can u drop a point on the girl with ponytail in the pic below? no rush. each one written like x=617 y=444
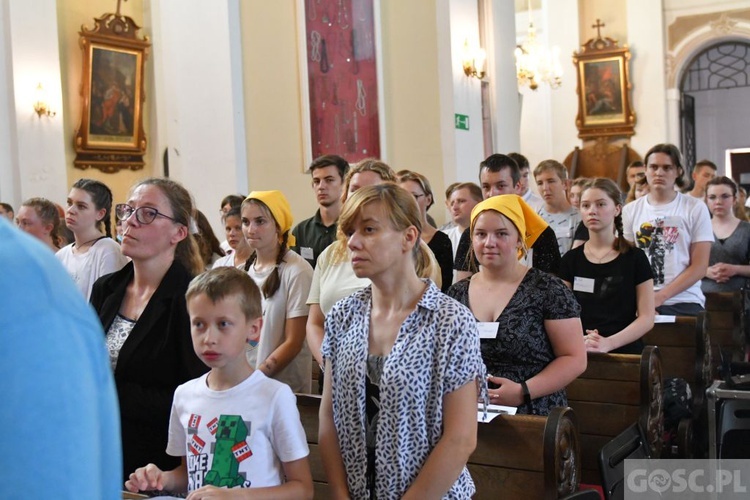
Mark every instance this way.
x=284 y=279
x=611 y=279
x=92 y=254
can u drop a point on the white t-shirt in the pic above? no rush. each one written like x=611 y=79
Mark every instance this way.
x=564 y=225
x=289 y=301
x=226 y=261
x=665 y=233
x=103 y=257
x=237 y=437
x=333 y=282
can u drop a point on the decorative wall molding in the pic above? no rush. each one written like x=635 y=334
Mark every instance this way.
x=691 y=34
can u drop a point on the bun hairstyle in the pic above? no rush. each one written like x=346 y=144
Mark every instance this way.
x=47 y=212
x=609 y=188
x=187 y=252
x=101 y=195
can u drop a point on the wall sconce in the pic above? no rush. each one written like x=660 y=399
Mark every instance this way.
x=474 y=61
x=40 y=105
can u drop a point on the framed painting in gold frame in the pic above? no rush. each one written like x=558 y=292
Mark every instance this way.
x=111 y=135
x=603 y=87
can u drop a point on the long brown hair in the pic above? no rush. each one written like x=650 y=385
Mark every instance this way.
x=608 y=186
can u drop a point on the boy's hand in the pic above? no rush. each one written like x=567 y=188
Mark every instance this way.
x=146 y=478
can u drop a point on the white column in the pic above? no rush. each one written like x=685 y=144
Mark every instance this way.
x=548 y=128
x=32 y=153
x=501 y=62
x=673 y=117
x=200 y=109
x=647 y=73
x=459 y=94
x=561 y=22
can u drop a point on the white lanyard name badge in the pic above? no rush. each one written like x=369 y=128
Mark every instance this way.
x=488 y=329
x=585 y=285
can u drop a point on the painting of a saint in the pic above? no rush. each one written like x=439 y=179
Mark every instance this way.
x=603 y=92
x=113 y=78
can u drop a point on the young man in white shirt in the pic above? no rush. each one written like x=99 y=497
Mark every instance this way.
x=552 y=180
x=674 y=230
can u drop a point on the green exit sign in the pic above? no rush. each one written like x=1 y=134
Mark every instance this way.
x=462 y=122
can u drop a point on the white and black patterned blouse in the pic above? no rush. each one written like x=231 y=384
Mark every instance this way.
x=436 y=352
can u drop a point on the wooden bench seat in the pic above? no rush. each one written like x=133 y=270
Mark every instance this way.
x=686 y=353
x=616 y=391
x=517 y=457
x=725 y=326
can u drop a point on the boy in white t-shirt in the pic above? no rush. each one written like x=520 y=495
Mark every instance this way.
x=552 y=180
x=234 y=427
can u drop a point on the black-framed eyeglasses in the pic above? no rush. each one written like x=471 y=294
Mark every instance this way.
x=144 y=215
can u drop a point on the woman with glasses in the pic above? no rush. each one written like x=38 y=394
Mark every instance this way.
x=729 y=262
x=92 y=254
x=439 y=242
x=143 y=312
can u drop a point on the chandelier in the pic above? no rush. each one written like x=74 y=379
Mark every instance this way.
x=536 y=63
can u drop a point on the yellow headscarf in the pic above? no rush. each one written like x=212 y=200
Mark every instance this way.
x=529 y=224
x=280 y=210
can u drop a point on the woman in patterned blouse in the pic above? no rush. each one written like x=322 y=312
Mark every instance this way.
x=533 y=340
x=402 y=361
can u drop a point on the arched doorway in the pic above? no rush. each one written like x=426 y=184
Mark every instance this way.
x=715 y=101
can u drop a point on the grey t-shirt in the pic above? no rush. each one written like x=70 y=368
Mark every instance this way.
x=732 y=250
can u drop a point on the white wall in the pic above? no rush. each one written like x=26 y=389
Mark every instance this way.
x=32 y=157
x=200 y=101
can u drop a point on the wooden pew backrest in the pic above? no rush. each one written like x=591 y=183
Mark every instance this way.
x=517 y=457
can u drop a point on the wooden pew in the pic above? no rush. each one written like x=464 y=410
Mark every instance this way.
x=685 y=349
x=685 y=352
x=725 y=322
x=517 y=457
x=615 y=391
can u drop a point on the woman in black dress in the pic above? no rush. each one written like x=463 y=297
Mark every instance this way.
x=439 y=242
x=532 y=339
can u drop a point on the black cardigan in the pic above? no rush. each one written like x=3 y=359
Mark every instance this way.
x=157 y=356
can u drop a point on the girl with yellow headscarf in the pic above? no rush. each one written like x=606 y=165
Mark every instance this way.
x=529 y=321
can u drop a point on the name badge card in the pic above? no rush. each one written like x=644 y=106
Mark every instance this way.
x=488 y=329
x=585 y=285
x=306 y=253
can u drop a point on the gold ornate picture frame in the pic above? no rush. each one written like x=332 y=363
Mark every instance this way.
x=603 y=87
x=111 y=135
